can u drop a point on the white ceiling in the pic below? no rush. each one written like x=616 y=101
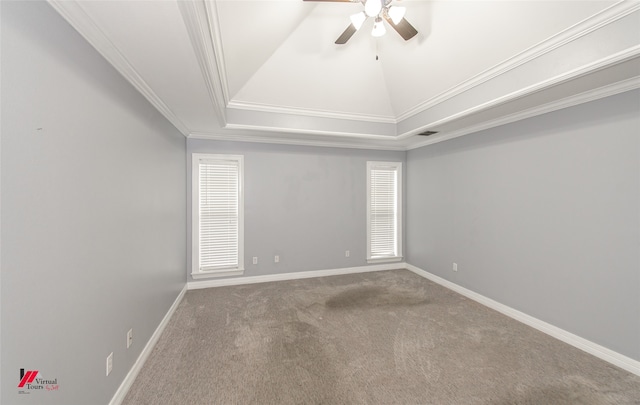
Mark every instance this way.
x=269 y=71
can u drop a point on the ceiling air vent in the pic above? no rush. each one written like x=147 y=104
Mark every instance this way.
x=427 y=133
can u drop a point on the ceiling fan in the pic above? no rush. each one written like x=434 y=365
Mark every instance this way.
x=380 y=10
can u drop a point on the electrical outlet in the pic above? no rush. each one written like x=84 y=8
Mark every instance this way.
x=255 y=260
x=455 y=266
x=129 y=338
x=347 y=253
x=109 y=363
x=276 y=259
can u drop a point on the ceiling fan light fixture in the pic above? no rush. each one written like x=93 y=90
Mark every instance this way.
x=372 y=7
x=358 y=19
x=378 y=28
x=396 y=13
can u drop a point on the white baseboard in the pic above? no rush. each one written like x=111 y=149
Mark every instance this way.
x=615 y=358
x=194 y=285
x=118 y=397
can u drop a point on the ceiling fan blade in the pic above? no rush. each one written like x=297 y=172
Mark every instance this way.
x=342 y=39
x=403 y=28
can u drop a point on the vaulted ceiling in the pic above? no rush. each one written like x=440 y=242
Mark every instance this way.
x=269 y=70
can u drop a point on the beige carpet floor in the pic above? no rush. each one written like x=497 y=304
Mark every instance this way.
x=388 y=337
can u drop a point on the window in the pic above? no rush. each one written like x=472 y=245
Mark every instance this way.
x=217 y=211
x=384 y=211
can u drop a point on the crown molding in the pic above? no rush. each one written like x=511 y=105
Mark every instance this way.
x=74 y=14
x=211 y=9
x=573 y=33
x=247 y=105
x=338 y=134
x=295 y=141
x=603 y=63
x=584 y=97
x=201 y=23
x=395 y=145
x=579 y=30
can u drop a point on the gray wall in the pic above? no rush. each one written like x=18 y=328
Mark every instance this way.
x=542 y=215
x=305 y=204
x=93 y=214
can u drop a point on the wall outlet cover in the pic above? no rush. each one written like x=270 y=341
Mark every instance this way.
x=109 y=363
x=129 y=338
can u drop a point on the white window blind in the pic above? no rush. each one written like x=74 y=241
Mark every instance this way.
x=384 y=210
x=219 y=214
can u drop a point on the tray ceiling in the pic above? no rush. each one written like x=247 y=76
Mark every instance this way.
x=269 y=71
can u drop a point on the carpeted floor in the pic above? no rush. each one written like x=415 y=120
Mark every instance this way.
x=388 y=337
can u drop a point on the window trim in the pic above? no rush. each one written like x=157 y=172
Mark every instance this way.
x=397 y=166
x=196 y=273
